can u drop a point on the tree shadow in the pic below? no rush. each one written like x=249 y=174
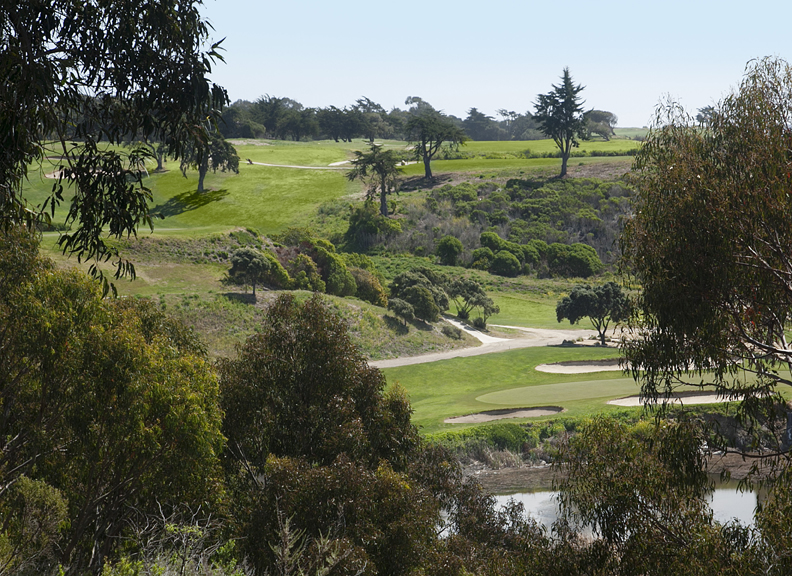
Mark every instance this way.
x=188 y=201
x=421 y=183
x=395 y=325
x=237 y=297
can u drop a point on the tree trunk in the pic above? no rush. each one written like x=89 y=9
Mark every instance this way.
x=202 y=170
x=602 y=337
x=383 y=199
x=254 y=290
x=427 y=167
x=564 y=158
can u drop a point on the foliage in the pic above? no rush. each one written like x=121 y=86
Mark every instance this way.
x=305 y=275
x=602 y=305
x=643 y=489
x=559 y=115
x=710 y=240
x=308 y=420
x=249 y=266
x=369 y=287
x=601 y=123
x=101 y=397
x=401 y=309
x=448 y=250
x=366 y=225
x=506 y=264
x=211 y=155
x=576 y=260
x=468 y=294
x=429 y=131
x=424 y=290
x=71 y=88
x=381 y=169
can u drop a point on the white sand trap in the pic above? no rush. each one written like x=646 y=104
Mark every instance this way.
x=682 y=398
x=580 y=367
x=490 y=415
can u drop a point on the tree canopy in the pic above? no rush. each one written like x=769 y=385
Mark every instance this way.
x=429 y=131
x=601 y=304
x=559 y=114
x=78 y=76
x=381 y=168
x=710 y=241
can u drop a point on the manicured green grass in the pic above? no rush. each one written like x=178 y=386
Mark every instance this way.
x=453 y=387
x=528 y=310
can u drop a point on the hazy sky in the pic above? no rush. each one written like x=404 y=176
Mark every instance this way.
x=495 y=54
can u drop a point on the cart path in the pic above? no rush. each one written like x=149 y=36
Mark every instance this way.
x=489 y=344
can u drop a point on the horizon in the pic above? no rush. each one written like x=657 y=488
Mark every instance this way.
x=632 y=56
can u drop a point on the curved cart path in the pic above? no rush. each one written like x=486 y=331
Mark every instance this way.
x=489 y=344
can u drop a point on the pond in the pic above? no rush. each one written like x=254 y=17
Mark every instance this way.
x=727 y=503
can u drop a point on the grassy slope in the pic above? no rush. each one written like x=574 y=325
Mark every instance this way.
x=271 y=199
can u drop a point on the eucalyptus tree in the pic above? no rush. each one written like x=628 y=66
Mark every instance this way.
x=710 y=241
x=78 y=76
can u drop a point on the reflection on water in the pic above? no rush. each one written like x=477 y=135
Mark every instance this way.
x=727 y=504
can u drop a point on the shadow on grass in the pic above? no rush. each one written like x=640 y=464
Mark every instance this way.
x=188 y=201
x=420 y=182
x=242 y=298
x=395 y=325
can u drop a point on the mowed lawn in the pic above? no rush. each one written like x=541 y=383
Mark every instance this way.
x=460 y=386
x=271 y=199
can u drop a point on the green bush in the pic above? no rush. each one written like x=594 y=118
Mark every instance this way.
x=573 y=261
x=276 y=276
x=448 y=250
x=451 y=332
x=369 y=287
x=479 y=323
x=505 y=264
x=482 y=258
x=337 y=277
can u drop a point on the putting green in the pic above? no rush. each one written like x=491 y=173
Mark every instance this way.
x=562 y=392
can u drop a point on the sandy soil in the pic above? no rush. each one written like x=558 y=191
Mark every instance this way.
x=681 y=398
x=580 y=367
x=490 y=415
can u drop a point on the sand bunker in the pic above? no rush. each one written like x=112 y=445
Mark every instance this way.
x=686 y=398
x=490 y=415
x=581 y=366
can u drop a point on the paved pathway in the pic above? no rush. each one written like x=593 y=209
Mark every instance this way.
x=490 y=344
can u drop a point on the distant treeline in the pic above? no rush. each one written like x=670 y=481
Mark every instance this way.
x=287 y=119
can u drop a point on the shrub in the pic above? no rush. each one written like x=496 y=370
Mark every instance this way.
x=479 y=323
x=401 y=309
x=423 y=303
x=276 y=276
x=448 y=250
x=305 y=275
x=505 y=264
x=451 y=332
x=369 y=287
x=482 y=258
x=335 y=273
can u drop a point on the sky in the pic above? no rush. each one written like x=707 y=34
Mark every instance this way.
x=495 y=54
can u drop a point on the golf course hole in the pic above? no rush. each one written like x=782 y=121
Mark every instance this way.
x=490 y=415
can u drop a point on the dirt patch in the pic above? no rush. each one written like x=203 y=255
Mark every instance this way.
x=490 y=415
x=580 y=366
x=524 y=479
